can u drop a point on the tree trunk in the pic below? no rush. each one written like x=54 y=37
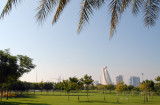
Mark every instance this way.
x=87 y=95
x=127 y=97
x=47 y=91
x=144 y=96
x=7 y=94
x=104 y=95
x=151 y=95
x=78 y=95
x=27 y=92
x=118 y=97
x=1 y=95
x=68 y=96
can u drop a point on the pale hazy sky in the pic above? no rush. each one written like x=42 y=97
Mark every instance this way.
x=59 y=51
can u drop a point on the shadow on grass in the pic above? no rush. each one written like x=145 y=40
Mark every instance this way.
x=99 y=102
x=19 y=103
x=57 y=95
x=25 y=96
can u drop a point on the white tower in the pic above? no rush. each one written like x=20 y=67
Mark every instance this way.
x=105 y=75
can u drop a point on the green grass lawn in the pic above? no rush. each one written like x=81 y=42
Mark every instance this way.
x=94 y=99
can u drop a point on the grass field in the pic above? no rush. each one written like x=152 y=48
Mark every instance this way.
x=94 y=99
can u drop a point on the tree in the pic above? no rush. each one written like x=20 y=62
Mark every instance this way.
x=116 y=7
x=48 y=86
x=67 y=87
x=27 y=86
x=5 y=87
x=157 y=85
x=13 y=67
x=92 y=87
x=157 y=79
x=73 y=82
x=100 y=87
x=35 y=87
x=110 y=87
x=87 y=80
x=41 y=86
x=79 y=86
x=147 y=86
x=130 y=87
x=20 y=86
x=120 y=87
x=60 y=86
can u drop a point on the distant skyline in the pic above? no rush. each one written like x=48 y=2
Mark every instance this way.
x=59 y=51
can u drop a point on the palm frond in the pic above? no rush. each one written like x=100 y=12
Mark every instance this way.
x=8 y=7
x=124 y=5
x=151 y=9
x=61 y=6
x=96 y=4
x=44 y=9
x=87 y=7
x=136 y=5
x=115 y=9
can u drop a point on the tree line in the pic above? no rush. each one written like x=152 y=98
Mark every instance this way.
x=82 y=85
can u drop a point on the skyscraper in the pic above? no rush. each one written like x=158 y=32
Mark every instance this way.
x=135 y=81
x=119 y=78
x=105 y=75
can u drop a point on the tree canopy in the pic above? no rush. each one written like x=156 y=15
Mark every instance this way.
x=13 y=67
x=158 y=79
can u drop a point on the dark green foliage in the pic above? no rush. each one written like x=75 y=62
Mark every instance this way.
x=87 y=80
x=136 y=89
x=73 y=82
x=48 y=86
x=130 y=87
x=110 y=87
x=13 y=67
x=149 y=85
x=158 y=79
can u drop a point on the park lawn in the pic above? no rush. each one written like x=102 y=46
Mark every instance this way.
x=94 y=99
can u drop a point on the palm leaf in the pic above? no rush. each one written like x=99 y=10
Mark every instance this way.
x=136 y=5
x=45 y=9
x=8 y=7
x=124 y=5
x=87 y=7
x=151 y=9
x=61 y=6
x=115 y=7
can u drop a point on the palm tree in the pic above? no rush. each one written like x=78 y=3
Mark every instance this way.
x=150 y=9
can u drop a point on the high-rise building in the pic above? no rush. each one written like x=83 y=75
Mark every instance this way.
x=135 y=81
x=105 y=75
x=119 y=78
